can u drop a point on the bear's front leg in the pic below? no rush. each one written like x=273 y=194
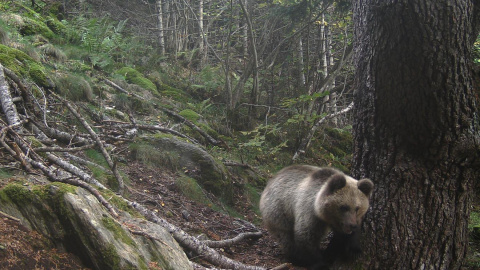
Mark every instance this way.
x=345 y=247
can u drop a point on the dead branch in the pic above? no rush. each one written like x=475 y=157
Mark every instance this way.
x=230 y=242
x=25 y=94
x=161 y=129
x=8 y=216
x=193 y=243
x=116 y=86
x=99 y=143
x=209 y=138
x=74 y=170
x=84 y=161
x=63 y=149
x=62 y=136
x=53 y=177
x=6 y=100
x=307 y=139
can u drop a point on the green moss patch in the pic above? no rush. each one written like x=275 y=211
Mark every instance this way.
x=28 y=26
x=133 y=76
x=118 y=231
x=23 y=65
x=190 y=115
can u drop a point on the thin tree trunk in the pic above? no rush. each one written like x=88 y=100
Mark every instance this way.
x=161 y=39
x=301 y=74
x=200 y=27
x=254 y=96
x=415 y=133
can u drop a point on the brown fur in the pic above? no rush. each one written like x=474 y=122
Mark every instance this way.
x=302 y=203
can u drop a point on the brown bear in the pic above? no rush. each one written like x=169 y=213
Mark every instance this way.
x=301 y=204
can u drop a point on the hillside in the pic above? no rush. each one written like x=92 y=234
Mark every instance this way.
x=90 y=101
x=84 y=110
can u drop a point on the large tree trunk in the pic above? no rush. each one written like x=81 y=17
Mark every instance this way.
x=415 y=132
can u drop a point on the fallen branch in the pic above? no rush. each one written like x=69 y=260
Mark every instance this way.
x=62 y=136
x=9 y=217
x=230 y=242
x=209 y=138
x=161 y=129
x=74 y=170
x=53 y=177
x=99 y=143
x=6 y=101
x=116 y=86
x=193 y=243
x=63 y=149
x=84 y=161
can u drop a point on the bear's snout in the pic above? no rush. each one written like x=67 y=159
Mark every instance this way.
x=349 y=227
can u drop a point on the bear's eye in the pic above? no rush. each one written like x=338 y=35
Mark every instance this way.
x=357 y=208
x=344 y=208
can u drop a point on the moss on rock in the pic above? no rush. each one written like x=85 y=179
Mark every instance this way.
x=24 y=66
x=133 y=76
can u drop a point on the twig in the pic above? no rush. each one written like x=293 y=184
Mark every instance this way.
x=63 y=149
x=9 y=217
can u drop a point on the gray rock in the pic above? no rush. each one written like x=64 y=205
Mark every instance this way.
x=76 y=222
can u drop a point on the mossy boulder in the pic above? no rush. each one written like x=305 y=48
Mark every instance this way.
x=28 y=26
x=181 y=155
x=23 y=65
x=75 y=221
x=133 y=76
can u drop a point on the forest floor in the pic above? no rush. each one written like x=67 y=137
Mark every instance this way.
x=21 y=248
x=156 y=189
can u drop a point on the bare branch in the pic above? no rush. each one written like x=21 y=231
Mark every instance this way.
x=99 y=143
x=307 y=139
x=230 y=242
x=6 y=100
x=63 y=149
x=193 y=243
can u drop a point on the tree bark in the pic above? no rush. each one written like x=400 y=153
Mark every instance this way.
x=415 y=132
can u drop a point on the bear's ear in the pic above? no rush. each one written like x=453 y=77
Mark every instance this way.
x=335 y=183
x=365 y=186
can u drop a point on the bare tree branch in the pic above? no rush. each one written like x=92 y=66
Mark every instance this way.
x=99 y=143
x=307 y=139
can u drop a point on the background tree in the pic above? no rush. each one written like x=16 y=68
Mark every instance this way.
x=416 y=130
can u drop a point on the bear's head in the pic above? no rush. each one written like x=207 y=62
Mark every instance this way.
x=343 y=201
